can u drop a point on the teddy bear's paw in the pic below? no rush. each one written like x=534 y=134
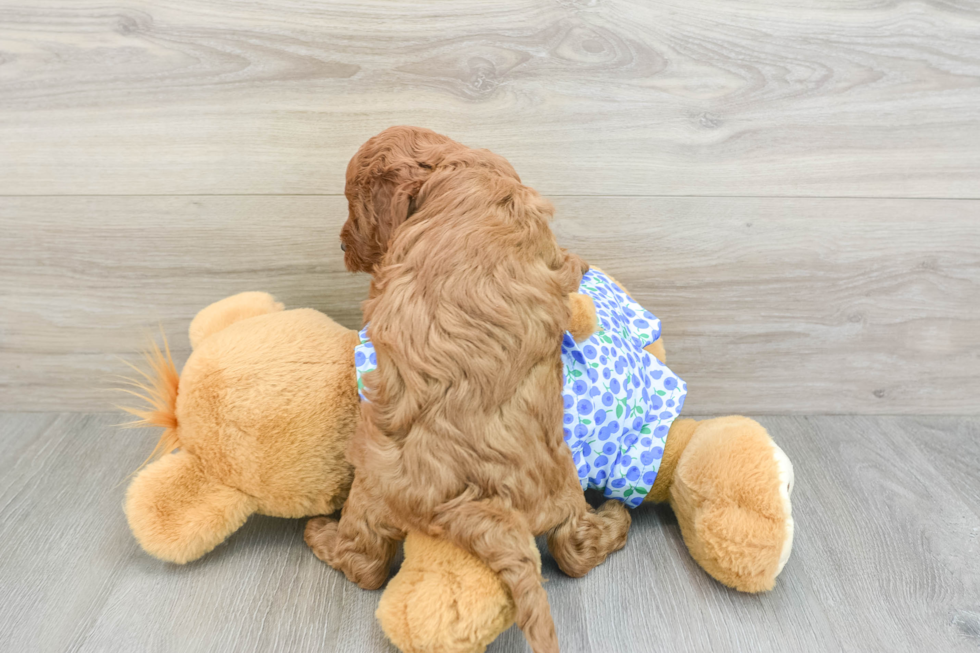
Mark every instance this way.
x=731 y=495
x=443 y=600
x=321 y=536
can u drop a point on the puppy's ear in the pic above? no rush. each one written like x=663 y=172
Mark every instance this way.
x=403 y=201
x=396 y=203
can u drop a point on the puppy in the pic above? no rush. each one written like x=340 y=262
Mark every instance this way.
x=461 y=436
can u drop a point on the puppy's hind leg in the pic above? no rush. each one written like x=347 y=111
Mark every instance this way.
x=361 y=544
x=585 y=539
x=502 y=539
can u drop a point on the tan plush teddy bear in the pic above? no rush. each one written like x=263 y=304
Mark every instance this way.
x=259 y=420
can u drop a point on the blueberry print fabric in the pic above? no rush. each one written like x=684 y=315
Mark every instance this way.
x=365 y=360
x=619 y=400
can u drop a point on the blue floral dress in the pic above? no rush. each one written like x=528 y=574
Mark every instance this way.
x=619 y=400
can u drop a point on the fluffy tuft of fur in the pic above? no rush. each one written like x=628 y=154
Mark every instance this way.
x=158 y=392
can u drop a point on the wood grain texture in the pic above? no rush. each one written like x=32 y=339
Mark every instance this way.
x=769 y=305
x=884 y=560
x=954 y=451
x=84 y=280
x=801 y=305
x=869 y=98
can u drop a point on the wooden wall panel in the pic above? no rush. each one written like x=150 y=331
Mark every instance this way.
x=802 y=305
x=769 y=305
x=616 y=97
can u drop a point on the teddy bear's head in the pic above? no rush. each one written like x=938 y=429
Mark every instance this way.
x=260 y=419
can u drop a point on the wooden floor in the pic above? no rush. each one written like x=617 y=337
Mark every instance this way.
x=886 y=558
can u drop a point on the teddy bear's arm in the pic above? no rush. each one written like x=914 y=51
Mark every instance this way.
x=656 y=349
x=584 y=321
x=178 y=512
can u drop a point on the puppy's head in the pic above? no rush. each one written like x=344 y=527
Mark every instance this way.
x=383 y=179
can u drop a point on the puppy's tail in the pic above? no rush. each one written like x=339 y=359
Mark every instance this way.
x=502 y=539
x=157 y=391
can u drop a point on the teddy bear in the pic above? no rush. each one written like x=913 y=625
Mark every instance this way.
x=259 y=419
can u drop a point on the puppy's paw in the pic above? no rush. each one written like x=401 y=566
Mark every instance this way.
x=321 y=537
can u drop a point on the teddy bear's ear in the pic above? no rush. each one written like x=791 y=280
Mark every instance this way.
x=229 y=310
x=178 y=514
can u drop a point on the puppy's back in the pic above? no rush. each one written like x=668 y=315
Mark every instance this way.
x=468 y=312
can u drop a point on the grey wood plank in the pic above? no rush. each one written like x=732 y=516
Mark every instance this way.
x=769 y=305
x=892 y=552
x=623 y=96
x=75 y=579
x=884 y=560
x=952 y=447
